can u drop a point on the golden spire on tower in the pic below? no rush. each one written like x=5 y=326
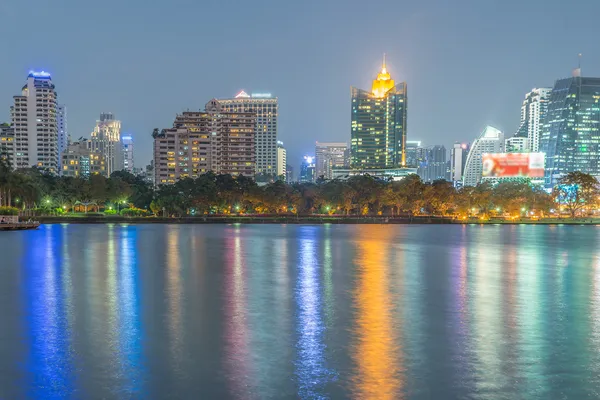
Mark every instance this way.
x=383 y=82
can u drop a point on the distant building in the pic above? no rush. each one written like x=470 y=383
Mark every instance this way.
x=63 y=134
x=307 y=169
x=516 y=144
x=34 y=120
x=7 y=144
x=202 y=141
x=127 y=143
x=378 y=125
x=413 y=148
x=106 y=140
x=281 y=160
x=533 y=114
x=289 y=173
x=329 y=156
x=79 y=160
x=458 y=159
x=491 y=140
x=571 y=133
x=266 y=109
x=433 y=167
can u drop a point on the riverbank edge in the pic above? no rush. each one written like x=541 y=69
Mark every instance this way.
x=308 y=220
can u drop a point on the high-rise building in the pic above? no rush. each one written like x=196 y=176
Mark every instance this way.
x=7 y=144
x=281 y=160
x=378 y=128
x=34 y=120
x=433 y=167
x=491 y=140
x=533 y=112
x=127 y=143
x=106 y=140
x=307 y=169
x=79 y=160
x=266 y=109
x=329 y=156
x=63 y=134
x=571 y=134
x=202 y=141
x=458 y=159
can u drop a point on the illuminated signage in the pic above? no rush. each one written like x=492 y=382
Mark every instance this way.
x=510 y=165
x=261 y=95
x=39 y=74
x=242 y=95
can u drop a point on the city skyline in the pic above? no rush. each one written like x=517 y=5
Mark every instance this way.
x=311 y=77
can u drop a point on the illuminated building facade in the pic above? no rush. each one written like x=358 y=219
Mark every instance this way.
x=414 y=153
x=491 y=140
x=127 y=143
x=378 y=129
x=516 y=144
x=79 y=160
x=106 y=140
x=329 y=156
x=266 y=109
x=34 y=120
x=202 y=141
x=281 y=160
x=571 y=134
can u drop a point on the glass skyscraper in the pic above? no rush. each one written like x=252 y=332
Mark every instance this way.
x=571 y=134
x=378 y=138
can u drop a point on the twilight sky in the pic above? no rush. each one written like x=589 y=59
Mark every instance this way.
x=467 y=63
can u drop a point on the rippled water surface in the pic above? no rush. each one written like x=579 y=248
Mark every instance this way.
x=275 y=311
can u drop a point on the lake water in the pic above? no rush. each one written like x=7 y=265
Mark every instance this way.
x=275 y=311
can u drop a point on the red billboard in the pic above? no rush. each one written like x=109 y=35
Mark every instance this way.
x=509 y=165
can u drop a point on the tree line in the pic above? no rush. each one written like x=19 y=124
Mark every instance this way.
x=32 y=190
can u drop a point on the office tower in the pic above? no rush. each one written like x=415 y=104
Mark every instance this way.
x=281 y=159
x=533 y=112
x=307 y=169
x=34 y=120
x=127 y=143
x=516 y=144
x=63 y=134
x=458 y=158
x=433 y=167
x=491 y=140
x=266 y=109
x=329 y=156
x=202 y=141
x=571 y=137
x=7 y=144
x=106 y=140
x=79 y=160
x=379 y=124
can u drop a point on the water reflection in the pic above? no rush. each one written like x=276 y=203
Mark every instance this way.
x=236 y=328
x=300 y=311
x=377 y=350
x=311 y=370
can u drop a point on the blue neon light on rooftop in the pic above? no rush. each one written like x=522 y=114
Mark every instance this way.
x=39 y=74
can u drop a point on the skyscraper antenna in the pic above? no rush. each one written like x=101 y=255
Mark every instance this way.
x=579 y=64
x=383 y=60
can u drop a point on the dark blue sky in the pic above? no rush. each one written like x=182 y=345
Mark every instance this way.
x=467 y=63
